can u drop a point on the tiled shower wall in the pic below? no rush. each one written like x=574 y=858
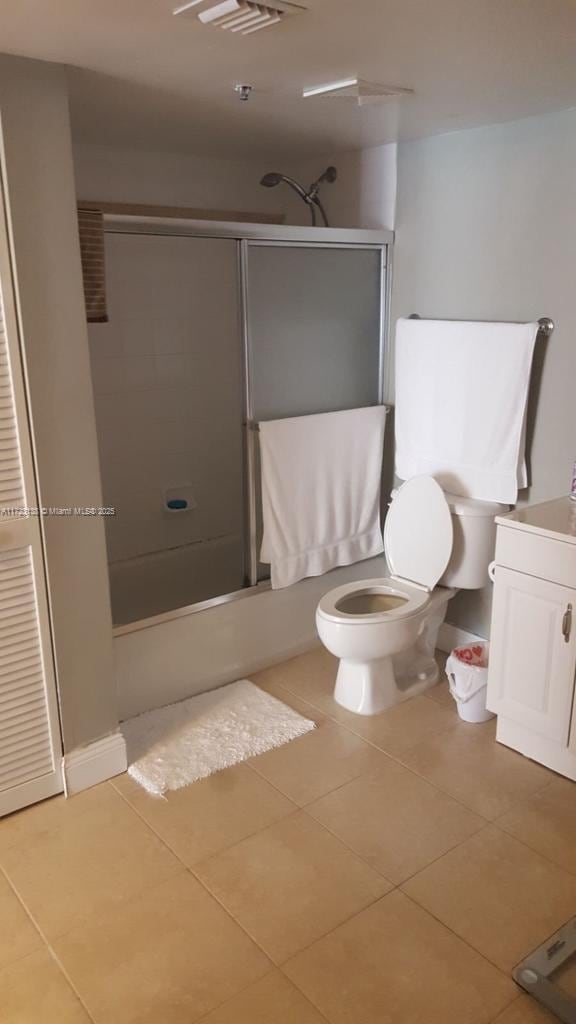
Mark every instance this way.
x=167 y=382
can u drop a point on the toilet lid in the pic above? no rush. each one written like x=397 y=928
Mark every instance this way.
x=418 y=533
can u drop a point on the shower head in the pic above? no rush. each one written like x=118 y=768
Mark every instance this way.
x=271 y=179
x=330 y=175
x=310 y=196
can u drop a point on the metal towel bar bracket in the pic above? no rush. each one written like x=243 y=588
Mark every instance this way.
x=546 y=325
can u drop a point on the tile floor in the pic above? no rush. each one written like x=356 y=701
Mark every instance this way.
x=388 y=870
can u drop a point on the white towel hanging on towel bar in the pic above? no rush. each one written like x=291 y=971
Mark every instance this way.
x=321 y=481
x=461 y=395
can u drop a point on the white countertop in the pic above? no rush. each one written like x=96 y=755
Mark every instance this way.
x=555 y=519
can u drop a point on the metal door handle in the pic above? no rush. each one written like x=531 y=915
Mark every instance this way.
x=567 y=623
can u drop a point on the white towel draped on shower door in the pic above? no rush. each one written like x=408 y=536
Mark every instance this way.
x=321 y=478
x=461 y=394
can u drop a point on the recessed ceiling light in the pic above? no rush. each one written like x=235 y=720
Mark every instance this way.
x=243 y=16
x=355 y=88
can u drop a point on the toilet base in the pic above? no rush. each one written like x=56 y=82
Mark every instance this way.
x=366 y=687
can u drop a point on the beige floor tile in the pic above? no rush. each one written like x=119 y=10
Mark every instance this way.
x=317 y=763
x=211 y=814
x=404 y=725
x=395 y=820
x=441 y=694
x=467 y=763
x=525 y=1011
x=86 y=863
x=394 y=964
x=547 y=823
x=168 y=956
x=31 y=823
x=311 y=676
x=303 y=707
x=290 y=884
x=273 y=1000
x=497 y=894
x=18 y=936
x=34 y=991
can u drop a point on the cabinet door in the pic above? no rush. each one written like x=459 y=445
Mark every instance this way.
x=533 y=653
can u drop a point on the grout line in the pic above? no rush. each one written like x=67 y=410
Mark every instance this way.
x=397 y=758
x=252 y=984
x=278 y=963
x=237 y=921
x=396 y=885
x=236 y=842
x=532 y=849
x=465 y=941
x=47 y=944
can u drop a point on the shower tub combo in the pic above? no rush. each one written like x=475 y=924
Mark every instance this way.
x=214 y=327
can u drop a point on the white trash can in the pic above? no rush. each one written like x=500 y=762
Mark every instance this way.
x=467 y=671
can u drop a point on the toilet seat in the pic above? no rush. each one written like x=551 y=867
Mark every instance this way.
x=418 y=533
x=415 y=599
x=418 y=539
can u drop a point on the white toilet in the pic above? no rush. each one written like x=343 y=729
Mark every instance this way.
x=430 y=538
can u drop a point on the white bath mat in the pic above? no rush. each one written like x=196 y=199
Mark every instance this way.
x=181 y=743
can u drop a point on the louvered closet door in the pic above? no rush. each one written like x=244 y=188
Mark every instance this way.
x=30 y=749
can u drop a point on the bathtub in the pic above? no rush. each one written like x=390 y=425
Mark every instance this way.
x=191 y=651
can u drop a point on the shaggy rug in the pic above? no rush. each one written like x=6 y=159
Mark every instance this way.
x=181 y=743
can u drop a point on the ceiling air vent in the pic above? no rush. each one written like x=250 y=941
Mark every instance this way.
x=241 y=16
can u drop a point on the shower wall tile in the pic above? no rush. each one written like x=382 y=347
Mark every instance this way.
x=172 y=369
x=173 y=336
x=136 y=335
x=103 y=342
x=140 y=372
x=108 y=375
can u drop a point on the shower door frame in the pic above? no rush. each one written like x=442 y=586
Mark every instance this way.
x=247 y=235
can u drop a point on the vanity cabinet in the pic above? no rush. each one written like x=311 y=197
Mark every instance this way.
x=531 y=679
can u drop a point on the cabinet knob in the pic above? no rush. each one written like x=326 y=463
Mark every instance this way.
x=567 y=623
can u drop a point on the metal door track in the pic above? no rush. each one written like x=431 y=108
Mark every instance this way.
x=533 y=974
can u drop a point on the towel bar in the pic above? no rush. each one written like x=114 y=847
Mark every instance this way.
x=546 y=324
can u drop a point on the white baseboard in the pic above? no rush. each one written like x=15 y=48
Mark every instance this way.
x=450 y=637
x=95 y=763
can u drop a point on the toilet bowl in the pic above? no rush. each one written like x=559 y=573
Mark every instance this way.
x=384 y=630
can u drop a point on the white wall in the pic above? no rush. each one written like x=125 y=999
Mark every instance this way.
x=172 y=179
x=364 y=195
x=486 y=229
x=37 y=156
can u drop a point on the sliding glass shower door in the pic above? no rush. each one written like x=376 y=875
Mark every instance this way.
x=208 y=335
x=314 y=323
x=167 y=374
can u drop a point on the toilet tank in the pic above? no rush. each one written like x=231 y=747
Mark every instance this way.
x=474 y=541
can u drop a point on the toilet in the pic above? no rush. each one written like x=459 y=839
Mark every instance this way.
x=384 y=630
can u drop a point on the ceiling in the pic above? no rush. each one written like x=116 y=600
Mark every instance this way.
x=141 y=77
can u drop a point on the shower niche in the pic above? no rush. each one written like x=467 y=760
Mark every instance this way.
x=209 y=332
